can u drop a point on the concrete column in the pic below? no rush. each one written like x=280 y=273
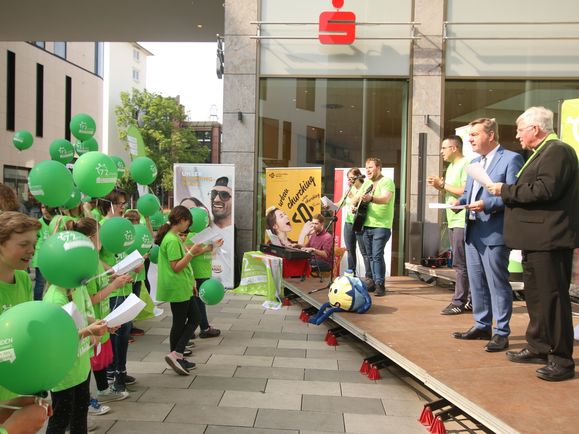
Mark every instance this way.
x=427 y=84
x=239 y=112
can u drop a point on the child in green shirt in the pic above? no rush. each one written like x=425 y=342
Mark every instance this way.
x=176 y=284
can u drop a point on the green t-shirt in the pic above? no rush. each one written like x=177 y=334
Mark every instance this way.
x=171 y=286
x=102 y=308
x=455 y=177
x=380 y=215
x=96 y=214
x=201 y=264
x=43 y=234
x=12 y=294
x=79 y=371
x=349 y=217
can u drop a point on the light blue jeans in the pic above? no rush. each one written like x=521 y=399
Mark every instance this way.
x=375 y=240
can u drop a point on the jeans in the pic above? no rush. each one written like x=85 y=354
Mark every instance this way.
x=185 y=320
x=365 y=257
x=120 y=339
x=461 y=287
x=350 y=240
x=38 y=284
x=375 y=240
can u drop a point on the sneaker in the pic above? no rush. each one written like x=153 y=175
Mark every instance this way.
x=187 y=352
x=209 y=333
x=176 y=364
x=187 y=364
x=129 y=380
x=131 y=339
x=95 y=408
x=111 y=394
x=137 y=332
x=91 y=426
x=452 y=309
x=380 y=290
x=190 y=345
x=468 y=305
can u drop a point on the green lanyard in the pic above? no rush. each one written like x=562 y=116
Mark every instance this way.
x=551 y=136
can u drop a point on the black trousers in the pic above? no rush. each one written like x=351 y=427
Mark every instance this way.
x=547 y=276
x=70 y=408
x=186 y=318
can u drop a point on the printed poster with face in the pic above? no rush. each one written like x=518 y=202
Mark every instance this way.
x=292 y=198
x=212 y=187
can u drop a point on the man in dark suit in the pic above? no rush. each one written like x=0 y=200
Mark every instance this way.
x=487 y=257
x=542 y=219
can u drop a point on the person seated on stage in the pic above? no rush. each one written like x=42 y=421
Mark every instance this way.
x=279 y=224
x=319 y=244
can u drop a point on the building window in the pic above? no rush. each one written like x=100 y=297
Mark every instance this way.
x=337 y=123
x=136 y=55
x=60 y=49
x=67 y=107
x=10 y=90
x=39 y=100
x=99 y=58
x=40 y=44
x=17 y=179
x=136 y=74
x=503 y=100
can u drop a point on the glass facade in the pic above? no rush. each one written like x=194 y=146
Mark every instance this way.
x=504 y=100
x=334 y=123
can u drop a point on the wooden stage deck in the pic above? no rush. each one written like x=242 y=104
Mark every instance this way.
x=407 y=327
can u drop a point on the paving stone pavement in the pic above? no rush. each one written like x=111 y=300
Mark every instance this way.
x=268 y=373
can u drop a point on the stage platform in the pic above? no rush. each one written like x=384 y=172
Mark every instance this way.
x=406 y=326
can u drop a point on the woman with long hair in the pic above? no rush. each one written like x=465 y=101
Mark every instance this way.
x=176 y=284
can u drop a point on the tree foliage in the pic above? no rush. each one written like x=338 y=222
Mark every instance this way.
x=161 y=121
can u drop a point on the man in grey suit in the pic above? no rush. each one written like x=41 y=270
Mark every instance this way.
x=542 y=219
x=487 y=257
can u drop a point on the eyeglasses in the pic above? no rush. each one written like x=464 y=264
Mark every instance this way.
x=520 y=130
x=223 y=195
x=352 y=179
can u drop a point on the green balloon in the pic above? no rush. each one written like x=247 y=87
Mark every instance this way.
x=22 y=140
x=89 y=145
x=200 y=219
x=95 y=174
x=117 y=234
x=121 y=167
x=154 y=254
x=143 y=240
x=82 y=126
x=67 y=259
x=30 y=329
x=61 y=150
x=50 y=182
x=211 y=291
x=148 y=205
x=157 y=220
x=74 y=199
x=143 y=170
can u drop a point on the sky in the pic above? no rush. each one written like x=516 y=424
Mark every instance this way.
x=186 y=69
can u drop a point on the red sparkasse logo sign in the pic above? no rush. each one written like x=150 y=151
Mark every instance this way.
x=337 y=27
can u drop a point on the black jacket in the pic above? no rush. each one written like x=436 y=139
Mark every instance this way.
x=542 y=207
